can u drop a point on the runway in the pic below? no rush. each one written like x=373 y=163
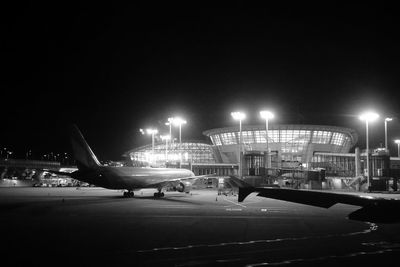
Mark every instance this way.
x=99 y=226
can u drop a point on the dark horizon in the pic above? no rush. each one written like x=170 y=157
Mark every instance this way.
x=114 y=69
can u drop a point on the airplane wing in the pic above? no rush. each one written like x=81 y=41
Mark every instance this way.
x=374 y=209
x=321 y=199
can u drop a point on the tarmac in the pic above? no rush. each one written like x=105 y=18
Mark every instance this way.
x=46 y=226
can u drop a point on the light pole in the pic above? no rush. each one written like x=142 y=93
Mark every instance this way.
x=166 y=138
x=265 y=114
x=169 y=123
x=397 y=141
x=151 y=132
x=178 y=122
x=368 y=117
x=239 y=116
x=386 y=144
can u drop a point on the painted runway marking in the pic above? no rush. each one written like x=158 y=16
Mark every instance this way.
x=176 y=207
x=169 y=207
x=372 y=227
x=324 y=258
x=235 y=203
x=233 y=209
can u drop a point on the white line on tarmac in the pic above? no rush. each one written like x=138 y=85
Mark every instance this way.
x=372 y=227
x=168 y=206
x=235 y=203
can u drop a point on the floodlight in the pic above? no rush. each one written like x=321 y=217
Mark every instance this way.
x=178 y=121
x=170 y=121
x=265 y=114
x=238 y=115
x=369 y=116
x=165 y=137
x=151 y=131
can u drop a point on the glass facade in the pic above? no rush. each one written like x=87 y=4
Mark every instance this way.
x=293 y=143
x=194 y=152
x=345 y=166
x=229 y=138
x=299 y=137
x=335 y=165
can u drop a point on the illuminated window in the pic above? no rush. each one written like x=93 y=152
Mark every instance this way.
x=337 y=139
x=216 y=140
x=228 y=138
x=247 y=137
x=295 y=136
x=259 y=137
x=321 y=137
x=273 y=136
x=286 y=136
x=187 y=152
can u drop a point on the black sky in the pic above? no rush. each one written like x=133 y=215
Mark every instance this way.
x=114 y=69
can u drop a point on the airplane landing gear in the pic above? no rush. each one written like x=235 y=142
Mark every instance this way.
x=158 y=194
x=129 y=194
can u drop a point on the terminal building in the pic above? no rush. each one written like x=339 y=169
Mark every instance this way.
x=300 y=155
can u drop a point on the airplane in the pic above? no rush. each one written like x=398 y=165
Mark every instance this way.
x=91 y=171
x=373 y=209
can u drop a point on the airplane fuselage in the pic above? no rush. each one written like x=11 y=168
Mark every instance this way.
x=129 y=178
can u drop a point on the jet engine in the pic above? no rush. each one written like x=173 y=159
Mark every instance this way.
x=184 y=187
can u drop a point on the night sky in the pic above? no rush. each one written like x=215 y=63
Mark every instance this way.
x=114 y=69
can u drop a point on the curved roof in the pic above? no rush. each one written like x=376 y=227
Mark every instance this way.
x=350 y=132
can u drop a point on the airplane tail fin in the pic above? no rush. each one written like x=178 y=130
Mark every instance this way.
x=84 y=156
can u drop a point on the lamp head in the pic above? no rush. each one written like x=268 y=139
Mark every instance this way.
x=369 y=116
x=238 y=115
x=178 y=121
x=165 y=137
x=265 y=114
x=151 y=131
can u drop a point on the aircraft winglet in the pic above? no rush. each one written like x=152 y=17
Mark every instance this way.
x=244 y=188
